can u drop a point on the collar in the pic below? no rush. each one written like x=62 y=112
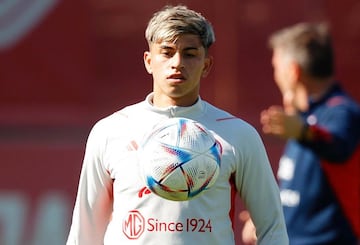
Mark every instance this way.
x=176 y=111
x=335 y=88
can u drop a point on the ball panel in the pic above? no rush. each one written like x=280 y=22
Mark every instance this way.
x=162 y=160
x=169 y=194
x=175 y=181
x=200 y=173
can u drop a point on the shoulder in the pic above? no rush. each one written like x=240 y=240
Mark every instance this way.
x=226 y=118
x=341 y=99
x=118 y=121
x=342 y=107
x=230 y=125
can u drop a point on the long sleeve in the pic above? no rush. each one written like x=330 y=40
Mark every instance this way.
x=93 y=204
x=260 y=193
x=336 y=131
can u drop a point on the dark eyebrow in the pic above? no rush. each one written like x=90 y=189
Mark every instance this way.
x=165 y=47
x=191 y=48
x=185 y=49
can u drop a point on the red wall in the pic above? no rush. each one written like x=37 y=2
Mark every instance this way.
x=65 y=65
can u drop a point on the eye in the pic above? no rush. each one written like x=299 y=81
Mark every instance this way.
x=189 y=55
x=166 y=52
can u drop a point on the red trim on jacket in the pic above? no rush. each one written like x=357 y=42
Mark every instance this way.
x=345 y=180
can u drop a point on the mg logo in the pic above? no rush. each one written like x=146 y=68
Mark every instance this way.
x=18 y=17
x=133 y=225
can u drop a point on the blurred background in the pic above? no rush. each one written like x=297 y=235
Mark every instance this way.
x=65 y=64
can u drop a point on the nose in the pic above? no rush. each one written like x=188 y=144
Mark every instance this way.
x=177 y=61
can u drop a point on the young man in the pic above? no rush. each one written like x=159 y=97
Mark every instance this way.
x=113 y=205
x=319 y=171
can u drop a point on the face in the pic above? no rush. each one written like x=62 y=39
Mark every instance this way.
x=283 y=71
x=177 y=68
x=288 y=77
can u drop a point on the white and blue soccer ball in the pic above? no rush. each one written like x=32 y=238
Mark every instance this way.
x=180 y=159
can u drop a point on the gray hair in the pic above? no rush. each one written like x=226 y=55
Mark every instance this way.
x=172 y=21
x=309 y=44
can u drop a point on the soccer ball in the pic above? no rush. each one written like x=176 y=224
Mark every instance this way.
x=180 y=159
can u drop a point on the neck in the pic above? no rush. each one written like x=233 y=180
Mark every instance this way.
x=314 y=89
x=318 y=88
x=165 y=101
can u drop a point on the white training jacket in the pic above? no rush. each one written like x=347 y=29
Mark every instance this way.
x=114 y=207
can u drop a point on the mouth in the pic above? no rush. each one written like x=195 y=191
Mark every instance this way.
x=176 y=78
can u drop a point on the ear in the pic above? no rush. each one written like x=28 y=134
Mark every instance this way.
x=147 y=61
x=209 y=60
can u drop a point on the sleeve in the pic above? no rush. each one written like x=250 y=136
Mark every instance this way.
x=337 y=134
x=259 y=191
x=93 y=205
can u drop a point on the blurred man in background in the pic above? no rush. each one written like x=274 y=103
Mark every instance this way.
x=319 y=171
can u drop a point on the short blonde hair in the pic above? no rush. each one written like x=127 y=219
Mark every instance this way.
x=309 y=44
x=172 y=21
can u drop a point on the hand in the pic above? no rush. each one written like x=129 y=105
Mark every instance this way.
x=249 y=230
x=283 y=124
x=288 y=102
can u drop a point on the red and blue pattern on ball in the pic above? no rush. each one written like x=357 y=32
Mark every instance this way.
x=181 y=141
x=183 y=156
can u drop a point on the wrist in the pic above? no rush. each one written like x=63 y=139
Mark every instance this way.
x=304 y=132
